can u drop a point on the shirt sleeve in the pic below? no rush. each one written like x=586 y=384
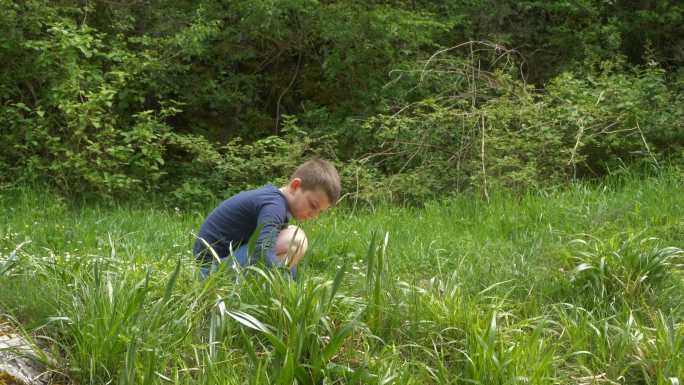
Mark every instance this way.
x=269 y=221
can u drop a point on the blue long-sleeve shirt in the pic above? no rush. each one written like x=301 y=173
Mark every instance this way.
x=233 y=222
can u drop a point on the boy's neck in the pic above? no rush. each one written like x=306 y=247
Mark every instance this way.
x=288 y=197
x=286 y=191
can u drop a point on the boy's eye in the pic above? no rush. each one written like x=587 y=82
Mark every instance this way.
x=312 y=205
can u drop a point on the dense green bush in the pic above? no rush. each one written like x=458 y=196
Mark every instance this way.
x=195 y=100
x=488 y=129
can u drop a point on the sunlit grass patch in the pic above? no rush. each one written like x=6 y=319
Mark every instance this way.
x=457 y=292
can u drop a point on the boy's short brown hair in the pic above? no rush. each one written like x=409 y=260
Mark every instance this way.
x=320 y=174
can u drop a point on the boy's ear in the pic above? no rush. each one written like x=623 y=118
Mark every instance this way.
x=295 y=183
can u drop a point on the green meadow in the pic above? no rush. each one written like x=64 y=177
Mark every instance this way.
x=577 y=285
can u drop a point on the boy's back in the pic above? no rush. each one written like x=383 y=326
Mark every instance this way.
x=234 y=221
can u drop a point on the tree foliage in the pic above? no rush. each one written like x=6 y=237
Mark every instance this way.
x=199 y=99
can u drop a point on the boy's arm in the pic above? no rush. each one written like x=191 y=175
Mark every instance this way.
x=269 y=221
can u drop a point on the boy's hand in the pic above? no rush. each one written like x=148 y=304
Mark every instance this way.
x=291 y=245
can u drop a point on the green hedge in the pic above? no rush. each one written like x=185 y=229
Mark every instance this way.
x=199 y=99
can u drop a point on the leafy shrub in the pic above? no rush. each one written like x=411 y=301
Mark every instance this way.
x=486 y=129
x=196 y=100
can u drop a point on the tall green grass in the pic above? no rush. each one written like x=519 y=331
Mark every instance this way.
x=576 y=285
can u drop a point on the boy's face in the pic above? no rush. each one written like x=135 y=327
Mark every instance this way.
x=306 y=204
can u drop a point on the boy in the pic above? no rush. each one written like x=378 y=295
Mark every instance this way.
x=313 y=188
